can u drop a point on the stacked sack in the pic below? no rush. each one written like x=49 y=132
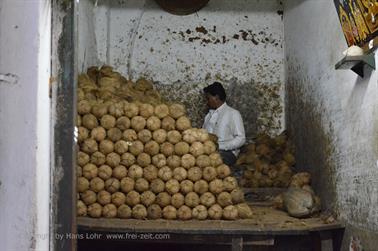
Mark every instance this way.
x=300 y=199
x=140 y=158
x=268 y=162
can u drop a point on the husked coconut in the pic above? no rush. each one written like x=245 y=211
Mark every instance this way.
x=224 y=199
x=127 y=184
x=146 y=110
x=131 y=110
x=123 y=123
x=209 y=173
x=186 y=186
x=139 y=212
x=230 y=213
x=161 y=111
x=152 y=148
x=201 y=187
x=179 y=173
x=153 y=123
x=89 y=146
x=157 y=186
x=118 y=198
x=129 y=135
x=82 y=158
x=144 y=135
x=159 y=135
x=121 y=147
x=172 y=186
x=188 y=161
x=138 y=123
x=215 y=212
x=127 y=159
x=176 y=110
x=167 y=149
x=88 y=197
x=173 y=161
x=119 y=172
x=154 y=212
x=207 y=199
x=183 y=123
x=150 y=172
x=143 y=159
x=192 y=199
x=90 y=171
x=177 y=200
x=163 y=199
x=169 y=212
x=124 y=212
x=141 y=185
x=98 y=133
x=132 y=198
x=230 y=183
x=106 y=146
x=184 y=213
x=159 y=160
x=95 y=210
x=135 y=172
x=182 y=148
x=136 y=147
x=195 y=173
x=165 y=173
x=89 y=121
x=147 y=198
x=216 y=186
x=112 y=185
x=113 y=159
x=81 y=208
x=199 y=212
x=168 y=123
x=98 y=158
x=108 y=121
x=82 y=184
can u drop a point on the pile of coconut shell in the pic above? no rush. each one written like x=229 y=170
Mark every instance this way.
x=139 y=157
x=268 y=162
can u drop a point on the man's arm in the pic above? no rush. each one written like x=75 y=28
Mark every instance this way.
x=238 y=133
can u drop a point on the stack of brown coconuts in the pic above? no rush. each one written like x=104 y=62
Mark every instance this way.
x=268 y=162
x=139 y=157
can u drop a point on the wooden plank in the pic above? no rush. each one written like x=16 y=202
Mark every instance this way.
x=237 y=244
x=196 y=227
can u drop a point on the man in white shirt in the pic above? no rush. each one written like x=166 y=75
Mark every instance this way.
x=225 y=122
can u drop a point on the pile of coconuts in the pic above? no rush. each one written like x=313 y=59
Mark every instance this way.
x=139 y=157
x=268 y=162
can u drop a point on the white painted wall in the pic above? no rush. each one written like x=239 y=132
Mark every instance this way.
x=87 y=45
x=139 y=39
x=24 y=124
x=333 y=116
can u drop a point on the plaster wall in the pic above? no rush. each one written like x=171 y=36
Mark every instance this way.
x=333 y=117
x=25 y=35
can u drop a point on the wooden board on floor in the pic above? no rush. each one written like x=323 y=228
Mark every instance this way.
x=266 y=221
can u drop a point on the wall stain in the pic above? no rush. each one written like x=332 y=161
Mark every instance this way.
x=260 y=104
x=210 y=36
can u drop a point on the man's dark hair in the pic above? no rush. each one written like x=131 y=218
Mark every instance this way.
x=216 y=89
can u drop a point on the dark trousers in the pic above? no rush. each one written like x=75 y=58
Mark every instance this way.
x=228 y=157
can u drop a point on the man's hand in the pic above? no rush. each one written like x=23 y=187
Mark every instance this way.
x=214 y=138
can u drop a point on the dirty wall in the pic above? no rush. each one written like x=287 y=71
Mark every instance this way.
x=239 y=43
x=333 y=116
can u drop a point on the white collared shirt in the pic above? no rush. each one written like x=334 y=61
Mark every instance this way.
x=227 y=124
